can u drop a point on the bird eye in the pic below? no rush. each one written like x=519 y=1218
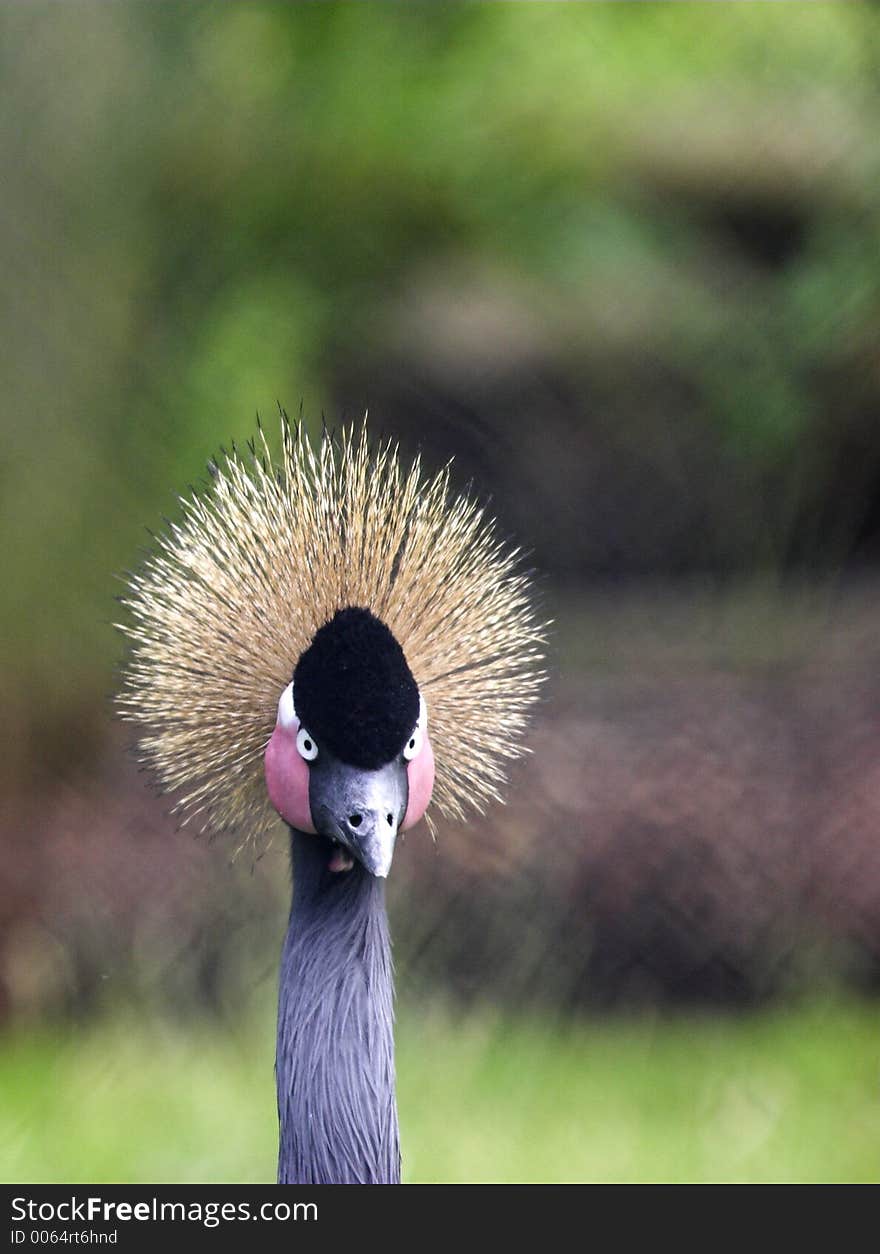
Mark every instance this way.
x=413 y=746
x=306 y=745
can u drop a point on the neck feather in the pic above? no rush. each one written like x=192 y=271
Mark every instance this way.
x=335 y=1052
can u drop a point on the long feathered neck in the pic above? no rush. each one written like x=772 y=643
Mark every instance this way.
x=335 y=1052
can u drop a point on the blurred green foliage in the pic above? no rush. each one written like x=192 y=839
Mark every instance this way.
x=789 y=1096
x=208 y=209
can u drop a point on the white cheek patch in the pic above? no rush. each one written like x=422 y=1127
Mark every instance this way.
x=413 y=746
x=286 y=713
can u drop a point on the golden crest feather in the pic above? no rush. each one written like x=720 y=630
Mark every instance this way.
x=234 y=592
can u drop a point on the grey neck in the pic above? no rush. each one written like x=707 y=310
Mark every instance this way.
x=334 y=1063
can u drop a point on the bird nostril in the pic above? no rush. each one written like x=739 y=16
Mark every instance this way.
x=390 y=818
x=355 y=819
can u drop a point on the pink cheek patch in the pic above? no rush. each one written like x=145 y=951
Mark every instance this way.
x=287 y=779
x=420 y=773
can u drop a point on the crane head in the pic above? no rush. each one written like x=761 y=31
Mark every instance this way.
x=350 y=758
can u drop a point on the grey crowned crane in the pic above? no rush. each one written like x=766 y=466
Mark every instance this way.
x=335 y=639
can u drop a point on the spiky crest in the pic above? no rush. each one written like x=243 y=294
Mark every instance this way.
x=235 y=591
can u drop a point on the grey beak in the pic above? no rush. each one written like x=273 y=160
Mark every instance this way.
x=361 y=809
x=371 y=835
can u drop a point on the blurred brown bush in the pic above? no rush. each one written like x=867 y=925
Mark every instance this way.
x=696 y=838
x=682 y=833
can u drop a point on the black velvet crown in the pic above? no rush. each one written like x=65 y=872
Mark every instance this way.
x=353 y=690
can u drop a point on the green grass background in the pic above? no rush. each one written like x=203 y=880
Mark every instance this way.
x=787 y=1095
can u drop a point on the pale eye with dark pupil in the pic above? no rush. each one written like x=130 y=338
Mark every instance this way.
x=306 y=745
x=413 y=746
